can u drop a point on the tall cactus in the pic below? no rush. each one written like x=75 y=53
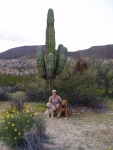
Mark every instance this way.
x=50 y=34
x=55 y=60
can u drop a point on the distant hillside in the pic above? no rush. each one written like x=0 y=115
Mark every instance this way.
x=22 y=60
x=17 y=52
x=100 y=52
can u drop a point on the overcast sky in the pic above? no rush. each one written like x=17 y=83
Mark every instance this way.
x=79 y=24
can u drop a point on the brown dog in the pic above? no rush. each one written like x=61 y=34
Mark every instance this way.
x=63 y=108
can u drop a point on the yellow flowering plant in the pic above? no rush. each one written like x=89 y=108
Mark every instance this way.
x=15 y=124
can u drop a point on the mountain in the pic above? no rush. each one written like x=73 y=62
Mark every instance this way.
x=100 y=52
x=22 y=60
x=17 y=52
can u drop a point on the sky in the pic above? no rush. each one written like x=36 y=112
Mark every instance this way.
x=79 y=24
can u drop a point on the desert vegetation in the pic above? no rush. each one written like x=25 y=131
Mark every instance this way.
x=91 y=89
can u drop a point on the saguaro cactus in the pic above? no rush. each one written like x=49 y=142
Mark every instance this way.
x=55 y=59
x=50 y=34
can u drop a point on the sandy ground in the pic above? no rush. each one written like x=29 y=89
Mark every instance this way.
x=3 y=147
x=83 y=130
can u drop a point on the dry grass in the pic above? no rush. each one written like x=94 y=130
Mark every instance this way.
x=82 y=131
x=3 y=106
x=98 y=128
x=110 y=104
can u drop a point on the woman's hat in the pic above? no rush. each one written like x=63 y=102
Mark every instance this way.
x=54 y=91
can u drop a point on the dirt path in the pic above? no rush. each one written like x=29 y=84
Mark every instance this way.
x=82 y=131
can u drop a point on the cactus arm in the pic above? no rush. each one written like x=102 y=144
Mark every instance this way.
x=58 y=53
x=61 y=60
x=41 y=62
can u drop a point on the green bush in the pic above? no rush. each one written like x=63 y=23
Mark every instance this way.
x=15 y=124
x=81 y=90
x=40 y=124
x=33 y=140
x=3 y=95
x=36 y=96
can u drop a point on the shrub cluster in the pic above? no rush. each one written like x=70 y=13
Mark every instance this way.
x=80 y=90
x=89 y=88
x=34 y=139
x=3 y=95
x=17 y=100
x=15 y=124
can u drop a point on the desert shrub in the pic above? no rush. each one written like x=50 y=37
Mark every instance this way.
x=82 y=90
x=33 y=86
x=36 y=96
x=11 y=89
x=13 y=80
x=33 y=140
x=40 y=124
x=17 y=100
x=14 y=126
x=91 y=100
x=36 y=89
x=3 y=95
x=105 y=77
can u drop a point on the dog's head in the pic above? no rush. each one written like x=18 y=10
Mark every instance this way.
x=49 y=105
x=64 y=102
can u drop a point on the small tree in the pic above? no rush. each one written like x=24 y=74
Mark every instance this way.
x=81 y=65
x=105 y=76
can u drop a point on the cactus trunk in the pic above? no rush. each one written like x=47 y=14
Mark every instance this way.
x=50 y=65
x=50 y=34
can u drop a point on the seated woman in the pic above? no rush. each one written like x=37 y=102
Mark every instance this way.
x=55 y=100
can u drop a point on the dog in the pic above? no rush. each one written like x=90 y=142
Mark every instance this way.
x=49 y=110
x=63 y=108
